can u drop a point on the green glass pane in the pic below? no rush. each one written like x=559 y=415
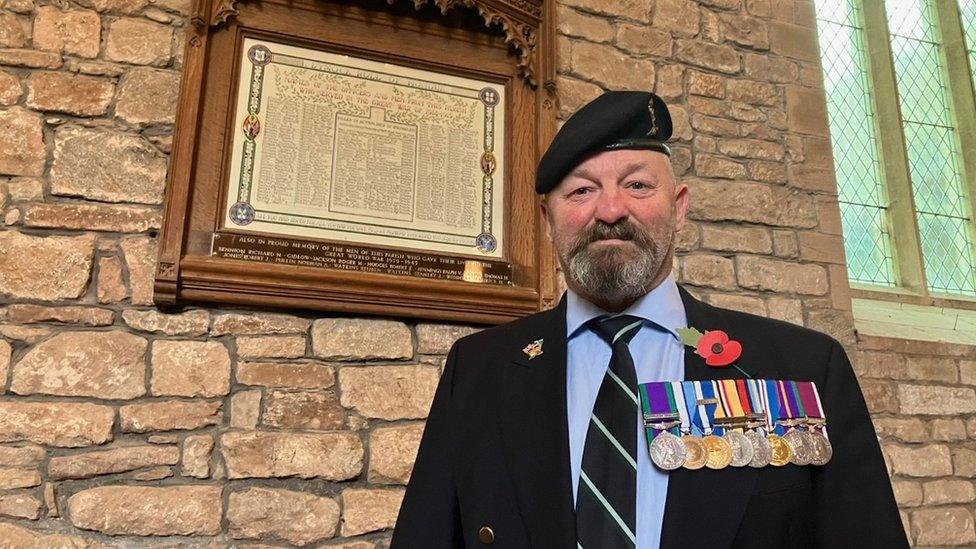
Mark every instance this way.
x=944 y=222
x=867 y=243
x=967 y=11
x=947 y=248
x=863 y=201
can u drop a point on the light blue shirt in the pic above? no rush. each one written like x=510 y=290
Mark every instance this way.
x=658 y=355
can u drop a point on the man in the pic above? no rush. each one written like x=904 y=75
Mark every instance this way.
x=534 y=438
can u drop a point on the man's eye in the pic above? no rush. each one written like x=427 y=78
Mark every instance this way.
x=639 y=185
x=580 y=191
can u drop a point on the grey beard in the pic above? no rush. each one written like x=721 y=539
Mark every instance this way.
x=601 y=275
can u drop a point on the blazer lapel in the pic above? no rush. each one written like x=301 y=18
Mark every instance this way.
x=534 y=428
x=704 y=508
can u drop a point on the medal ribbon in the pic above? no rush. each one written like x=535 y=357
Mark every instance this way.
x=679 y=396
x=730 y=395
x=756 y=402
x=811 y=401
x=742 y=391
x=773 y=405
x=796 y=397
x=656 y=398
x=705 y=390
x=788 y=405
x=691 y=401
x=807 y=391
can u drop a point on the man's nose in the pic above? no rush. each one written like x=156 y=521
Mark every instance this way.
x=610 y=206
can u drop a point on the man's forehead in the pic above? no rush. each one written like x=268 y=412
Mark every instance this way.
x=623 y=162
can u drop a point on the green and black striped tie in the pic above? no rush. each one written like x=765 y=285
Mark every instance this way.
x=606 y=499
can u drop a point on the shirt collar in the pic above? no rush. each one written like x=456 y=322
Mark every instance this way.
x=661 y=306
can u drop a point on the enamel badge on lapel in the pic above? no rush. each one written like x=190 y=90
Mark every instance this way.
x=533 y=349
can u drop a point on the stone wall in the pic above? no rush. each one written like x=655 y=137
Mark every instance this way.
x=121 y=425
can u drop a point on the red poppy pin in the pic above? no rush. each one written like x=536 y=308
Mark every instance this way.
x=714 y=346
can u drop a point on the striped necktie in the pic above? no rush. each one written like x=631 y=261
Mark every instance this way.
x=606 y=500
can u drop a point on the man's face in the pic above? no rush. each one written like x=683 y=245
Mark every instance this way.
x=613 y=221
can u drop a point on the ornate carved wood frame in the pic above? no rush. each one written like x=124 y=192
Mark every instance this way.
x=510 y=41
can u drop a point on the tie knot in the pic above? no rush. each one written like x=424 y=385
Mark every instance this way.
x=616 y=328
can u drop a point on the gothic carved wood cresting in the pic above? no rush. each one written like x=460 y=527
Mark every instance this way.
x=510 y=42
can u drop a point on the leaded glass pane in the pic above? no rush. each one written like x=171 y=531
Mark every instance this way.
x=967 y=10
x=863 y=202
x=940 y=200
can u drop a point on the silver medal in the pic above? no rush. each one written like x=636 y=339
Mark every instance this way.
x=742 y=451
x=801 y=444
x=762 y=452
x=667 y=451
x=822 y=451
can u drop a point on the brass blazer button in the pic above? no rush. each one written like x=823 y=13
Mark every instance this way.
x=486 y=535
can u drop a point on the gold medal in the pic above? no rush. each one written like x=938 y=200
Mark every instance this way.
x=696 y=454
x=781 y=450
x=719 y=452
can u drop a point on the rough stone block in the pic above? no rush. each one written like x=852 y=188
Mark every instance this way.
x=107 y=462
x=277 y=346
x=760 y=273
x=169 y=415
x=93 y=217
x=361 y=339
x=438 y=338
x=109 y=365
x=189 y=323
x=108 y=166
x=69 y=93
x=610 y=67
x=22 y=537
x=65 y=424
x=72 y=32
x=392 y=452
x=196 y=456
x=258 y=324
x=943 y=526
x=92 y=316
x=140 y=256
x=735 y=238
x=139 y=42
x=922 y=461
x=366 y=510
x=936 y=400
x=296 y=517
x=313 y=410
x=389 y=392
x=292 y=375
x=20 y=504
x=256 y=454
x=148 y=510
x=22 y=149
x=190 y=368
x=148 y=96
x=111 y=286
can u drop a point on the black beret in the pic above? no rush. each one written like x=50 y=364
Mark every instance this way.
x=615 y=120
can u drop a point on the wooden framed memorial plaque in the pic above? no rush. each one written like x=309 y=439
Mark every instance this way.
x=369 y=157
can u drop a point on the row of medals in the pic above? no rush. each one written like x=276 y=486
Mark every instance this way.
x=803 y=446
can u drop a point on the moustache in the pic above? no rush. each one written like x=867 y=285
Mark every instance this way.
x=623 y=230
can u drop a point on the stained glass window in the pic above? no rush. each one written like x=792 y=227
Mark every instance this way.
x=944 y=223
x=863 y=201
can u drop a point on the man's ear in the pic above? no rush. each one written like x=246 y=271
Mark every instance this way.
x=544 y=204
x=681 y=205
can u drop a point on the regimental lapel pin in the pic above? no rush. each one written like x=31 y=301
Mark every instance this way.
x=533 y=349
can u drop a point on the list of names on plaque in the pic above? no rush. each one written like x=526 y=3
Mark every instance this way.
x=339 y=148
